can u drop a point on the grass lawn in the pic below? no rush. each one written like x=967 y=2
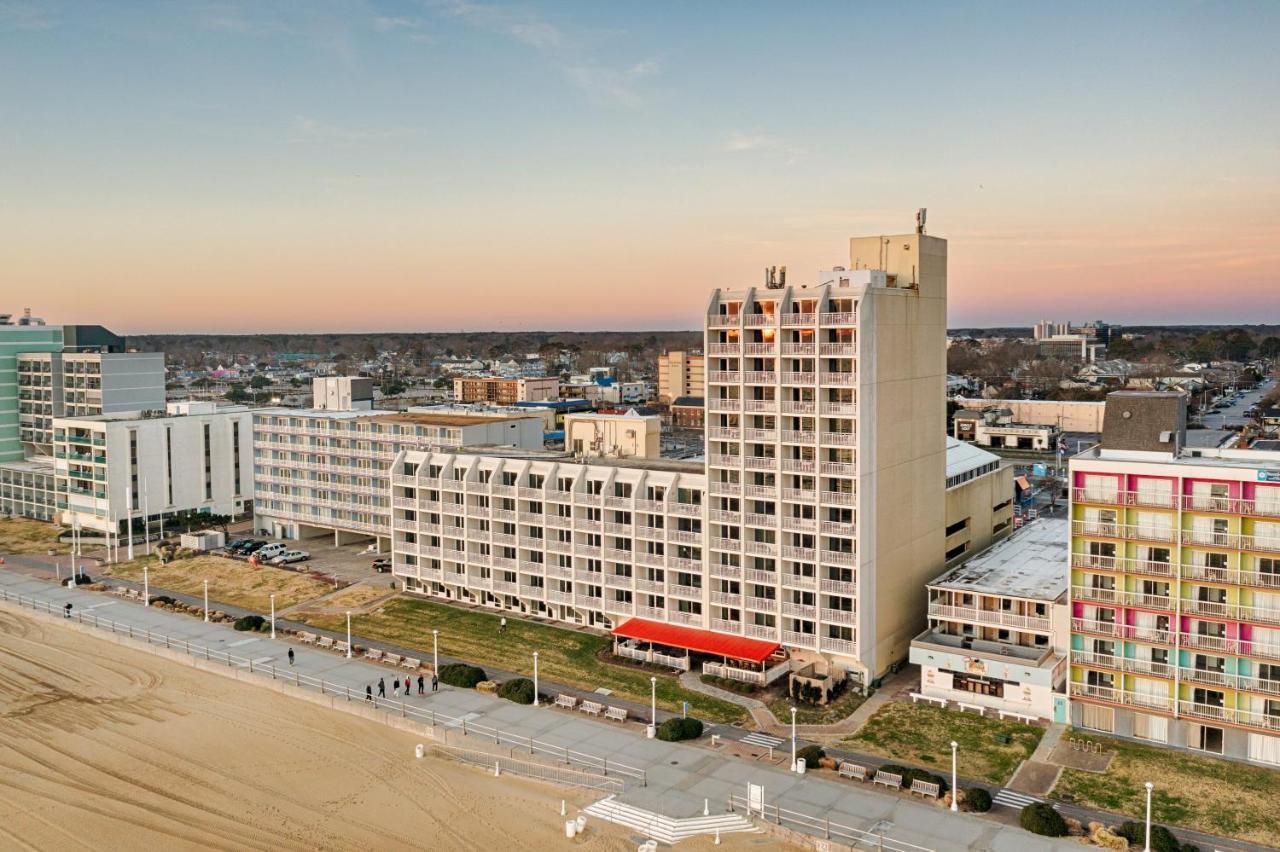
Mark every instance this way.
x=810 y=714
x=230 y=581
x=1192 y=791
x=922 y=734
x=26 y=535
x=567 y=656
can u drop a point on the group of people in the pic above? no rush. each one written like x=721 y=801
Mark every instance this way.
x=408 y=687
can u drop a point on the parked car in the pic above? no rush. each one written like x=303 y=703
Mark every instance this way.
x=270 y=551
x=290 y=556
x=251 y=548
x=382 y=565
x=236 y=543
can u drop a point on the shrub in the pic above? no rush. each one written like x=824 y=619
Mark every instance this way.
x=1162 y=839
x=249 y=622
x=1040 y=818
x=461 y=674
x=162 y=600
x=911 y=773
x=677 y=729
x=83 y=579
x=519 y=690
x=977 y=799
x=810 y=755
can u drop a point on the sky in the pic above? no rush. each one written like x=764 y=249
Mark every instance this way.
x=423 y=165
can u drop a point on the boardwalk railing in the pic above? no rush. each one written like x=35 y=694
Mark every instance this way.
x=469 y=728
x=528 y=769
x=824 y=827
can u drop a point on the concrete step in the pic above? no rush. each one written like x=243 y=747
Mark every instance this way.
x=665 y=829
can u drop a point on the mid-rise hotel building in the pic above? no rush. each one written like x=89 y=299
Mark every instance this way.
x=811 y=527
x=1175 y=586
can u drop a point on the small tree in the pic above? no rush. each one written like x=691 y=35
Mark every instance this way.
x=1040 y=818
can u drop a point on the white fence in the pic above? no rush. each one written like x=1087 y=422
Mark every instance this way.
x=819 y=826
x=570 y=757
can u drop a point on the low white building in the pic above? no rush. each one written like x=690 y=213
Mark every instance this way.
x=189 y=456
x=629 y=435
x=999 y=626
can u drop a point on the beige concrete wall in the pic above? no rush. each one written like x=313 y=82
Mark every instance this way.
x=614 y=436
x=681 y=374
x=1069 y=416
x=902 y=441
x=976 y=500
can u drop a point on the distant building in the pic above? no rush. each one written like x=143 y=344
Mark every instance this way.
x=688 y=412
x=629 y=435
x=499 y=391
x=979 y=508
x=342 y=393
x=999 y=626
x=1061 y=340
x=681 y=374
x=994 y=427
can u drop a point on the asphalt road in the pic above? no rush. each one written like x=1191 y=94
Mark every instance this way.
x=1234 y=414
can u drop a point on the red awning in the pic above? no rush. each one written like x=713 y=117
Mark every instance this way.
x=702 y=641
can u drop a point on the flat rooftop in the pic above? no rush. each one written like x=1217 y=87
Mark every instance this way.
x=411 y=418
x=1240 y=458
x=503 y=452
x=1031 y=564
x=963 y=457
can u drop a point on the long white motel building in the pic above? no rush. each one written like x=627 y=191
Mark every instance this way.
x=807 y=532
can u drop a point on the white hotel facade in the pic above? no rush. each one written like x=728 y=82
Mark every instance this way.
x=814 y=522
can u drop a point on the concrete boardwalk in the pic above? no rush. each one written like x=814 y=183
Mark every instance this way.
x=679 y=777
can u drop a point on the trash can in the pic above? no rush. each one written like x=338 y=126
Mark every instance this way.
x=650 y=731
x=419 y=751
x=800 y=766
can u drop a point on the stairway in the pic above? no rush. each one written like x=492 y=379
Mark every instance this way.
x=663 y=828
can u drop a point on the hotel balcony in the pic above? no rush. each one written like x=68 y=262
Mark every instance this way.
x=994 y=617
x=799 y=319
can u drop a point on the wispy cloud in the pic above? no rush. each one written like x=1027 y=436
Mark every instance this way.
x=310 y=127
x=232 y=18
x=18 y=16
x=390 y=24
x=571 y=53
x=738 y=142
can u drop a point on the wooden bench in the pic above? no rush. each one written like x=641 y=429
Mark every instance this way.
x=593 y=708
x=568 y=702
x=324 y=642
x=307 y=638
x=917 y=697
x=855 y=771
x=340 y=647
x=888 y=779
x=617 y=714
x=411 y=663
x=925 y=788
x=391 y=659
x=977 y=708
x=372 y=654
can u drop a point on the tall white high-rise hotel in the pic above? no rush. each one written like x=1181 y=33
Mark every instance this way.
x=814 y=523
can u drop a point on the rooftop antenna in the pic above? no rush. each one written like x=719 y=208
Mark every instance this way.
x=920 y=217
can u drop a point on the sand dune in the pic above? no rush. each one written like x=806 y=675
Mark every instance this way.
x=108 y=747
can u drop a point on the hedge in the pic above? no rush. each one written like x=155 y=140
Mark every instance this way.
x=461 y=674
x=811 y=755
x=677 y=729
x=1162 y=839
x=519 y=690
x=911 y=773
x=977 y=799
x=249 y=622
x=1040 y=818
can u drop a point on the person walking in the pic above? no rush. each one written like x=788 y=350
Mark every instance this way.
x=420 y=685
x=368 y=693
x=382 y=688
x=407 y=688
x=290 y=656
x=395 y=688
x=435 y=682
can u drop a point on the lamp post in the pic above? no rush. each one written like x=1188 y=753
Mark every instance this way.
x=146 y=587
x=435 y=652
x=206 y=601
x=794 y=766
x=535 y=678
x=955 y=787
x=128 y=509
x=1146 y=847
x=273 y=616
x=348 y=634
x=653 y=701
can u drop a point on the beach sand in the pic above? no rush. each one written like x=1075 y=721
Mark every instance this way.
x=106 y=747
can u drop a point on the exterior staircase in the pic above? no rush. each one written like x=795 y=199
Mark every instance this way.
x=665 y=829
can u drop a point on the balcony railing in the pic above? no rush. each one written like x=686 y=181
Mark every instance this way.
x=989 y=616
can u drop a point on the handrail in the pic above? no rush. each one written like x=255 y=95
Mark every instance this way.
x=830 y=830
x=570 y=756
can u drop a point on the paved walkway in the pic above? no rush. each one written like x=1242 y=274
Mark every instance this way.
x=680 y=777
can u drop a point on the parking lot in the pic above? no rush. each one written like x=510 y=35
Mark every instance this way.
x=347 y=562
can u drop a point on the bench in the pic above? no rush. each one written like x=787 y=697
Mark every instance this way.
x=888 y=779
x=1021 y=717
x=307 y=638
x=374 y=654
x=568 y=702
x=411 y=663
x=977 y=708
x=324 y=642
x=617 y=714
x=925 y=788
x=341 y=647
x=853 y=770
x=917 y=697
x=593 y=708
x=391 y=659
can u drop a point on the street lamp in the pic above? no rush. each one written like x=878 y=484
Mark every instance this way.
x=273 y=616
x=1147 y=845
x=535 y=678
x=146 y=587
x=206 y=601
x=955 y=787
x=653 y=701
x=348 y=634
x=794 y=766
x=435 y=652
